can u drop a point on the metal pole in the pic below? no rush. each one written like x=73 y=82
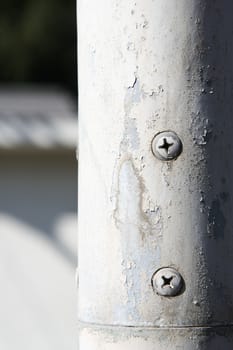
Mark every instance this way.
x=156 y=170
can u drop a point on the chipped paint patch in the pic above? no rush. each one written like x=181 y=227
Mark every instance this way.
x=139 y=222
x=130 y=138
x=132 y=96
x=200 y=129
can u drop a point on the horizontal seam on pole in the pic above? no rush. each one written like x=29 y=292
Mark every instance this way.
x=98 y=325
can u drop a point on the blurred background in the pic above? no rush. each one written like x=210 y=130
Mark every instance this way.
x=38 y=172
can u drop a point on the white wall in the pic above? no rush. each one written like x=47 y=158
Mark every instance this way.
x=38 y=251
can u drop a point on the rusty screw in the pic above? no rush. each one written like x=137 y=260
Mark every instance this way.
x=167 y=282
x=166 y=145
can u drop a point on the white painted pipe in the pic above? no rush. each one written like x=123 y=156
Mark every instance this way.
x=147 y=66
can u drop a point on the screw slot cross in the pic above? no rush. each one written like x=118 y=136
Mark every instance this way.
x=167 y=281
x=166 y=145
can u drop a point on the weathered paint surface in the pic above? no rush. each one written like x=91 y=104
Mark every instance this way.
x=146 y=66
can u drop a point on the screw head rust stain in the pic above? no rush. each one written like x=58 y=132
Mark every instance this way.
x=166 y=145
x=167 y=282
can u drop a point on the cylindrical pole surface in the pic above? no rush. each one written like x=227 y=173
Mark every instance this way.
x=152 y=72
